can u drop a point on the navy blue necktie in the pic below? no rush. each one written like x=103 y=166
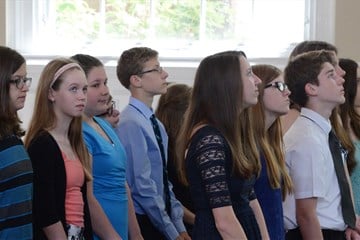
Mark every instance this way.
x=346 y=202
x=156 y=128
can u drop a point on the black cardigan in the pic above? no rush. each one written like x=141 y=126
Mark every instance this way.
x=50 y=186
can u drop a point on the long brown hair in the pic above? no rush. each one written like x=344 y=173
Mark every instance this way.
x=270 y=141
x=217 y=100
x=350 y=118
x=44 y=118
x=10 y=62
x=170 y=111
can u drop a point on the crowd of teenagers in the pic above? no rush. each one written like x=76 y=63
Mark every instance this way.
x=246 y=152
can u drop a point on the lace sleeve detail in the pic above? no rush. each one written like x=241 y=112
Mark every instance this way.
x=211 y=162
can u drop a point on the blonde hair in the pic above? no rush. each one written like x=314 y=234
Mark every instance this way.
x=44 y=118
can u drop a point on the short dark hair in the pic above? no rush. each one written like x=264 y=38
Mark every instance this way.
x=87 y=62
x=131 y=62
x=304 y=69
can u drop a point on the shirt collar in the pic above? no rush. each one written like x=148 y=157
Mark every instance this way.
x=141 y=107
x=319 y=120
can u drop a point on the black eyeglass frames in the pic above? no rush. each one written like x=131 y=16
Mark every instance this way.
x=157 y=69
x=20 y=82
x=281 y=86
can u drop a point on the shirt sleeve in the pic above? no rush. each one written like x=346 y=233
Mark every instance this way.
x=144 y=190
x=211 y=163
x=43 y=156
x=305 y=168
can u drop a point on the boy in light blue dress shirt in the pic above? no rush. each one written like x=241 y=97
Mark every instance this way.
x=139 y=71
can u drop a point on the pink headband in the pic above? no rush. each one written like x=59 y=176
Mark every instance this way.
x=62 y=70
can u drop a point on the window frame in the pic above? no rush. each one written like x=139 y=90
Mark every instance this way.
x=319 y=25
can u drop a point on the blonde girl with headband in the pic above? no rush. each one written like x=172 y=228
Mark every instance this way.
x=59 y=156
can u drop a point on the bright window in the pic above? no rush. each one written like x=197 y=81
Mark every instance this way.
x=178 y=29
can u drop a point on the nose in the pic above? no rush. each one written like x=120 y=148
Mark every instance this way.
x=105 y=90
x=25 y=88
x=82 y=95
x=165 y=74
x=341 y=72
x=341 y=80
x=257 y=80
x=287 y=92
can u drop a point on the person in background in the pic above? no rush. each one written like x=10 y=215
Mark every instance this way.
x=170 y=111
x=217 y=154
x=315 y=161
x=274 y=183
x=112 y=115
x=58 y=153
x=350 y=116
x=159 y=213
x=16 y=173
x=109 y=158
x=294 y=112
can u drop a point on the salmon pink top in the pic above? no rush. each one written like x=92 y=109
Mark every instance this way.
x=74 y=203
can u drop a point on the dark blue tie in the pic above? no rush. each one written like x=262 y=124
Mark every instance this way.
x=346 y=202
x=156 y=128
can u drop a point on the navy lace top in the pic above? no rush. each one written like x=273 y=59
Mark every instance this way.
x=212 y=185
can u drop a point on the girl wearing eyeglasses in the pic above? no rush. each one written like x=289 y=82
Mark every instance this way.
x=16 y=172
x=274 y=182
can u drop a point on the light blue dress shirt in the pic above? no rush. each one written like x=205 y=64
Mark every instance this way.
x=144 y=168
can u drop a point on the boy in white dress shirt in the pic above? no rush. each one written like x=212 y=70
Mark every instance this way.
x=314 y=210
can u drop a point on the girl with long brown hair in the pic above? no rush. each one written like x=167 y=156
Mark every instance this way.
x=15 y=167
x=217 y=154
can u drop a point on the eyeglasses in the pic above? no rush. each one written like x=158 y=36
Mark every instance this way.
x=279 y=85
x=158 y=69
x=21 y=82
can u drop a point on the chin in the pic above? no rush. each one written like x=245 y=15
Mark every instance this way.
x=342 y=100
x=19 y=107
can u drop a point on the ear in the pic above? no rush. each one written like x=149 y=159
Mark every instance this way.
x=135 y=81
x=51 y=96
x=311 y=89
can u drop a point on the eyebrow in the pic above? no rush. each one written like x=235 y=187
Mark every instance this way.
x=20 y=75
x=77 y=84
x=330 y=70
x=97 y=80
